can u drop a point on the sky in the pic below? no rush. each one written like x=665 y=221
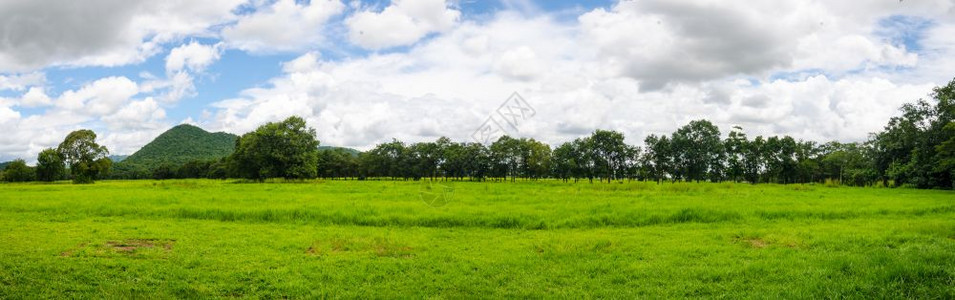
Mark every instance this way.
x=364 y=72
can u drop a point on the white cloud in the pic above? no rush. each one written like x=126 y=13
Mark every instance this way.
x=18 y=82
x=283 y=26
x=193 y=56
x=142 y=114
x=35 y=97
x=99 y=98
x=183 y=65
x=404 y=22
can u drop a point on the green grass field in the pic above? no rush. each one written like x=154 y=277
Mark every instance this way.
x=378 y=239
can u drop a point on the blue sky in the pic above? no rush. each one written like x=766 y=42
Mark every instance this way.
x=363 y=72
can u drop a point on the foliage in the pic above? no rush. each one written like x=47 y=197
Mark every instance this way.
x=50 y=166
x=18 y=171
x=174 y=148
x=286 y=149
x=87 y=159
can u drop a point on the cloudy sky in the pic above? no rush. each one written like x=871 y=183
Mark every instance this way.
x=363 y=72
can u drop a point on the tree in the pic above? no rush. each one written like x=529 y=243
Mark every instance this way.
x=753 y=159
x=286 y=149
x=563 y=162
x=609 y=153
x=658 y=157
x=946 y=152
x=50 y=166
x=536 y=157
x=18 y=171
x=164 y=171
x=735 y=147
x=478 y=161
x=697 y=147
x=86 y=159
x=506 y=157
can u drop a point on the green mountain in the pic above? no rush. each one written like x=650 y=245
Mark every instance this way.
x=182 y=144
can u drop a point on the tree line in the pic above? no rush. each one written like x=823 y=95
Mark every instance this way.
x=916 y=148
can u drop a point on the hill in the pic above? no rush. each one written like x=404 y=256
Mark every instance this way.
x=182 y=144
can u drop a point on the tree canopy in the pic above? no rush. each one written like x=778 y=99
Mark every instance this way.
x=287 y=149
x=87 y=159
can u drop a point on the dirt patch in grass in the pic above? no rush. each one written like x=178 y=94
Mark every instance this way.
x=757 y=243
x=131 y=245
x=70 y=252
x=137 y=248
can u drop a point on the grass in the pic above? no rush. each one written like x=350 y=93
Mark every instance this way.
x=378 y=239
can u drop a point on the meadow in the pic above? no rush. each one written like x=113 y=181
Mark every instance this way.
x=528 y=239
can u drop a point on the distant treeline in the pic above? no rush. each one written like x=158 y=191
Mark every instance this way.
x=916 y=149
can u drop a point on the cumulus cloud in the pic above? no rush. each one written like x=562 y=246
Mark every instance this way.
x=101 y=97
x=194 y=57
x=283 y=26
x=18 y=82
x=404 y=22
x=37 y=34
x=183 y=65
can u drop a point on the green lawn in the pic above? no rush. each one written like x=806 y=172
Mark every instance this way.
x=378 y=239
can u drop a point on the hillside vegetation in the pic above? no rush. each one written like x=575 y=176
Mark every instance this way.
x=178 y=146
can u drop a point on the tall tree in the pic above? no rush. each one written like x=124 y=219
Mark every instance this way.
x=50 y=166
x=609 y=152
x=697 y=146
x=286 y=149
x=84 y=156
x=735 y=147
x=506 y=157
x=658 y=157
x=536 y=158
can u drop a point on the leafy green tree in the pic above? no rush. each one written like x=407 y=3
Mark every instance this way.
x=506 y=157
x=735 y=147
x=193 y=169
x=18 y=171
x=385 y=160
x=336 y=163
x=87 y=159
x=50 y=165
x=219 y=169
x=563 y=162
x=753 y=159
x=658 y=157
x=697 y=148
x=536 y=157
x=477 y=161
x=946 y=152
x=609 y=152
x=164 y=171
x=286 y=149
